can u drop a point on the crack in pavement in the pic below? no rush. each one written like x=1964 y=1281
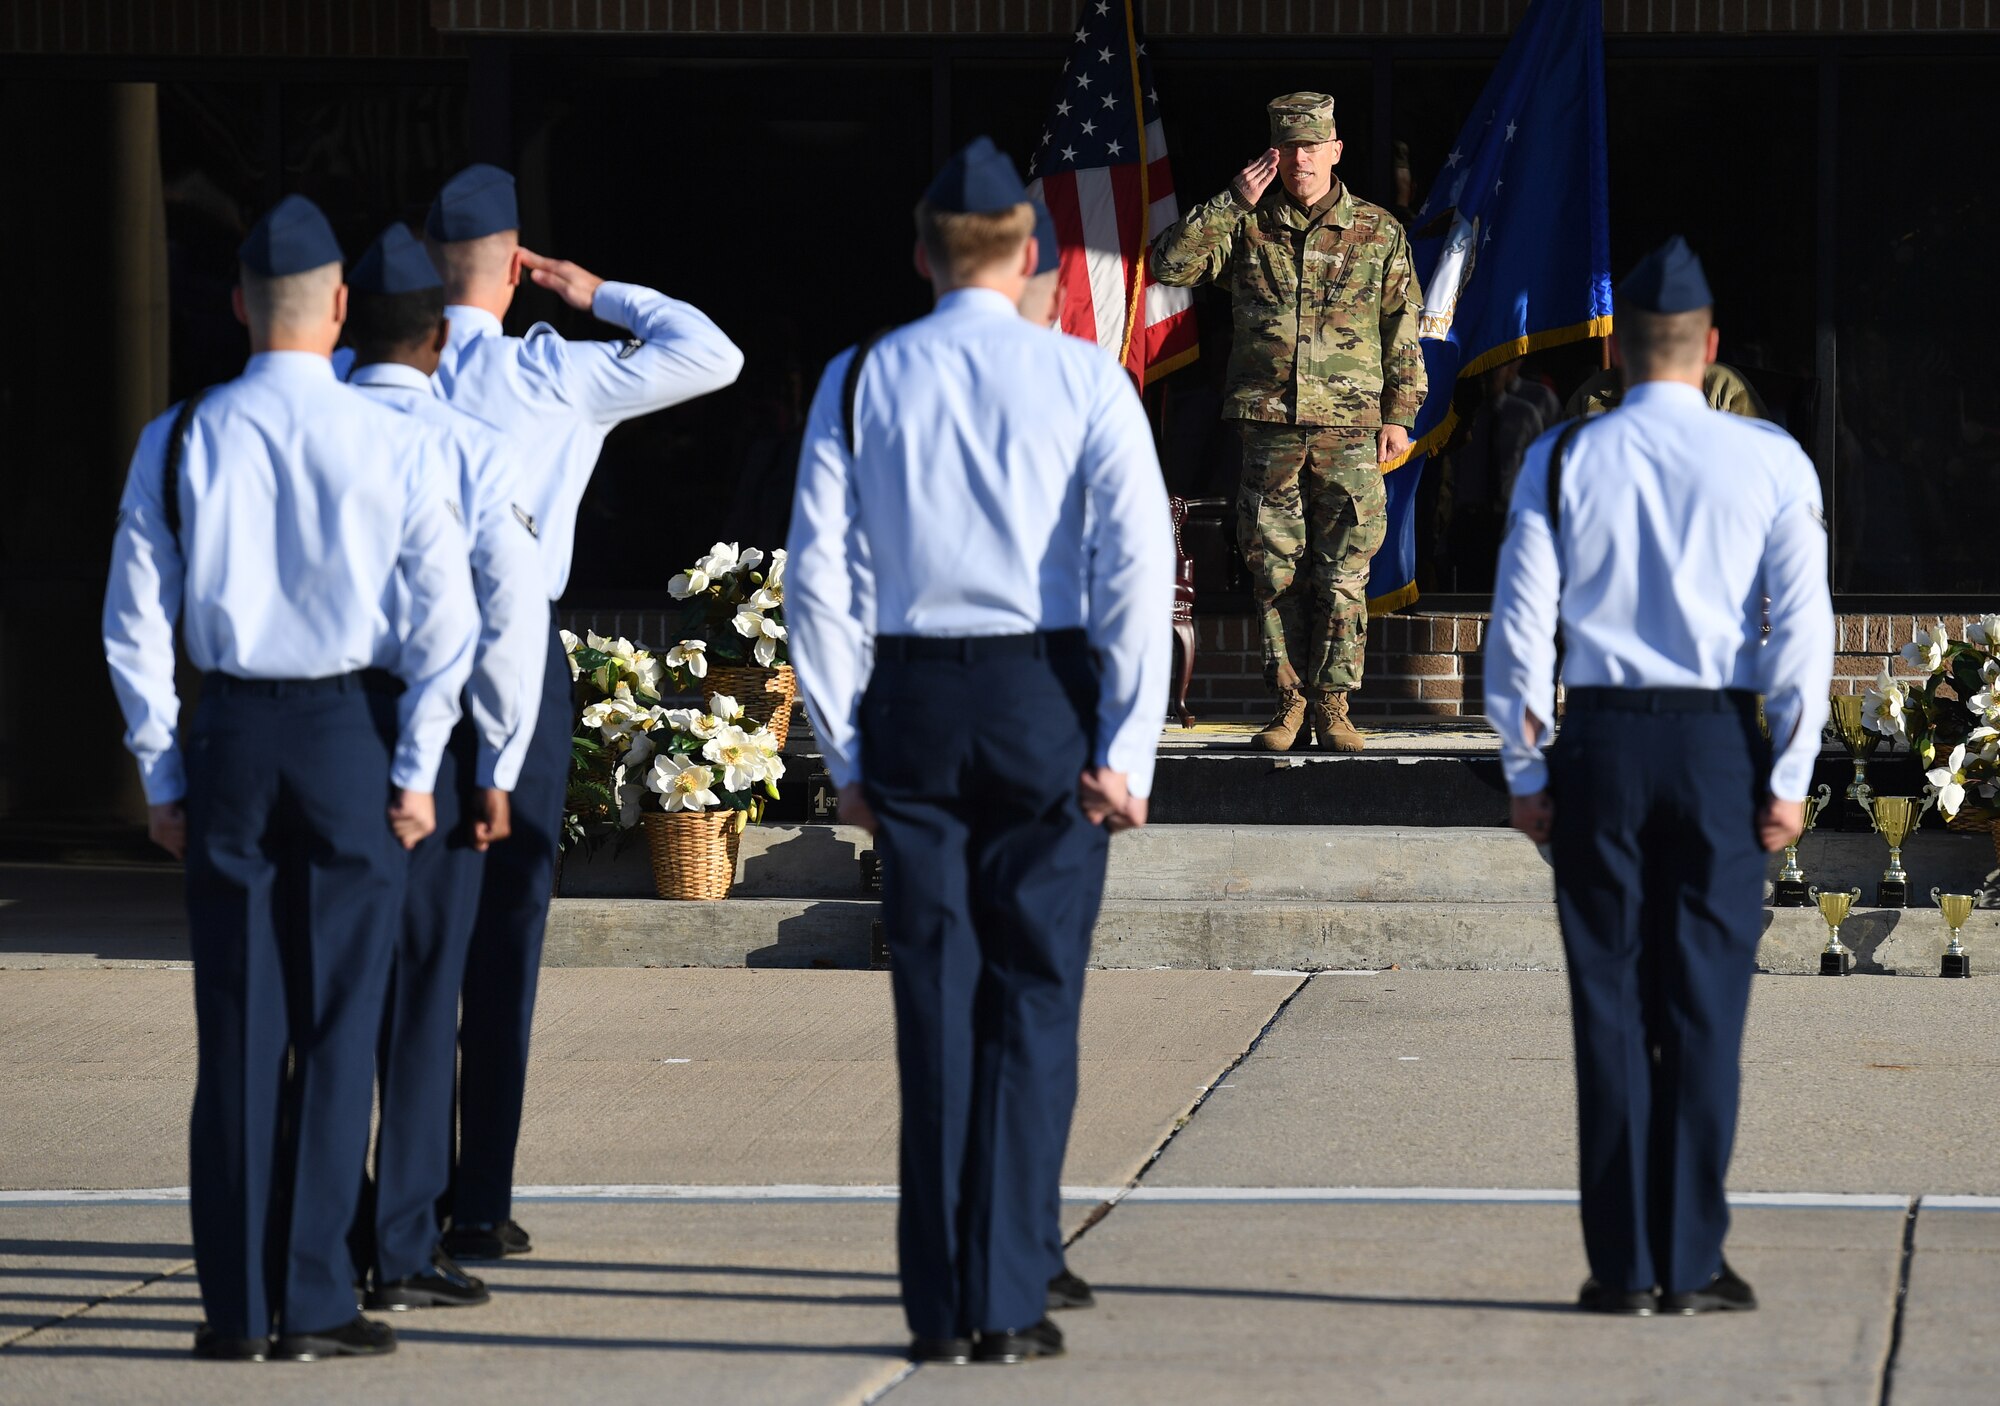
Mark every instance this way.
x=97 y=1302
x=1104 y=1208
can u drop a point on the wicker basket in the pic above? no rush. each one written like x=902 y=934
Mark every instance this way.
x=1966 y=825
x=693 y=852
x=766 y=694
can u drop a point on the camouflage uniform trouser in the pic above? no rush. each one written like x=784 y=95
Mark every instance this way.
x=1311 y=515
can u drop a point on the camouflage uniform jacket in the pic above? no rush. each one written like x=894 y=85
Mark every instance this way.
x=1334 y=345
x=1724 y=386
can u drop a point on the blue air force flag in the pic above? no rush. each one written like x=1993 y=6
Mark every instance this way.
x=1513 y=243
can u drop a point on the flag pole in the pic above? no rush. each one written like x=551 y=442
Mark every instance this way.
x=1134 y=310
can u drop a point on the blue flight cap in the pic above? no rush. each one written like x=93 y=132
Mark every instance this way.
x=980 y=180
x=1045 y=236
x=478 y=201
x=292 y=237
x=1668 y=280
x=396 y=262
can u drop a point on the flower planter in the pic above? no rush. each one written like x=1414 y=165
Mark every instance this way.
x=693 y=852
x=767 y=695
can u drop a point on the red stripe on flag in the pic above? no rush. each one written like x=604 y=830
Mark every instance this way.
x=1079 y=317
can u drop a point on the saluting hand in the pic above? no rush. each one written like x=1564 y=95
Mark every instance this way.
x=1253 y=180
x=413 y=816
x=575 y=285
x=495 y=821
x=167 y=827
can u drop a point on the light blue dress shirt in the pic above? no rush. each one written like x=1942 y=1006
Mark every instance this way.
x=556 y=400
x=1677 y=521
x=1004 y=482
x=303 y=503
x=505 y=695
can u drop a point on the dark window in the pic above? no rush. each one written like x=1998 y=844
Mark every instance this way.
x=1917 y=458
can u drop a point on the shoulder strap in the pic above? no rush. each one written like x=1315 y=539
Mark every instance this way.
x=170 y=476
x=1557 y=454
x=851 y=385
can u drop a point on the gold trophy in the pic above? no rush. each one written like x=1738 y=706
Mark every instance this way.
x=1956 y=907
x=1836 y=960
x=1860 y=744
x=1896 y=819
x=1790 y=889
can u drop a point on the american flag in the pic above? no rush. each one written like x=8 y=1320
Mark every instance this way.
x=1102 y=170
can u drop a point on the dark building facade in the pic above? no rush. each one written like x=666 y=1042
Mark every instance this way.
x=1827 y=158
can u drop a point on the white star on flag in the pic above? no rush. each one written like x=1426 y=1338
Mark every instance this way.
x=1114 y=148
x=1455 y=157
x=1512 y=128
x=1103 y=7
x=1105 y=56
x=1069 y=153
x=1083 y=80
x=1083 y=36
x=1110 y=100
x=1047 y=137
x=1089 y=129
x=1062 y=108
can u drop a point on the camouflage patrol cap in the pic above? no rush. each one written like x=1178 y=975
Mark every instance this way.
x=1301 y=117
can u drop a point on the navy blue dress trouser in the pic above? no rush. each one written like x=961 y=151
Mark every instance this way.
x=418 y=1053
x=294 y=884
x=506 y=960
x=1660 y=886
x=992 y=879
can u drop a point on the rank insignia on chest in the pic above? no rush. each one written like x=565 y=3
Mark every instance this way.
x=526 y=519
x=629 y=348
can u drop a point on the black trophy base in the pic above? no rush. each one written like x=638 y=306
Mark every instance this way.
x=1836 y=963
x=1957 y=964
x=1892 y=893
x=1788 y=893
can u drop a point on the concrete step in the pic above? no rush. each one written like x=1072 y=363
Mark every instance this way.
x=1235 y=935
x=1228 y=864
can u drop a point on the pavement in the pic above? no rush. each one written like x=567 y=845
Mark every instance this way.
x=1287 y=1188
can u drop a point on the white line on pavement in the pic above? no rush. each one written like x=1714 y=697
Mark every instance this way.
x=1090 y=1195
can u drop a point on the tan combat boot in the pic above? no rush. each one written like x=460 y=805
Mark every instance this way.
x=1287 y=726
x=1336 y=731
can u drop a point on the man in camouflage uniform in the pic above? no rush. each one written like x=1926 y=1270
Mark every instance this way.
x=1724 y=386
x=1326 y=378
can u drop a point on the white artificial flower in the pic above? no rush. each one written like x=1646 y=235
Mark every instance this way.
x=753 y=624
x=723 y=559
x=764 y=598
x=1984 y=631
x=648 y=671
x=569 y=643
x=638 y=751
x=691 y=655
x=1949 y=782
x=724 y=707
x=1926 y=651
x=615 y=716
x=1882 y=707
x=742 y=761
x=630 y=789
x=681 y=719
x=751 y=559
x=681 y=784
x=688 y=583
x=774 y=579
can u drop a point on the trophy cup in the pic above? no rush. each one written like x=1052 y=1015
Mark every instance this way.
x=1956 y=907
x=1836 y=960
x=1895 y=819
x=1790 y=890
x=1860 y=744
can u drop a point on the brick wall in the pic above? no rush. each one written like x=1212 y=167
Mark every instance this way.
x=430 y=28
x=1196 y=18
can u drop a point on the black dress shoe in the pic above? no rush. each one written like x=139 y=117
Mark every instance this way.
x=1043 y=1339
x=1727 y=1292
x=1632 y=1303
x=213 y=1347
x=478 y=1241
x=443 y=1285
x=954 y=1351
x=1068 y=1290
x=363 y=1337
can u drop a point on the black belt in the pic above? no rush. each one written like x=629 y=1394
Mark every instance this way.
x=1659 y=700
x=360 y=681
x=975 y=649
